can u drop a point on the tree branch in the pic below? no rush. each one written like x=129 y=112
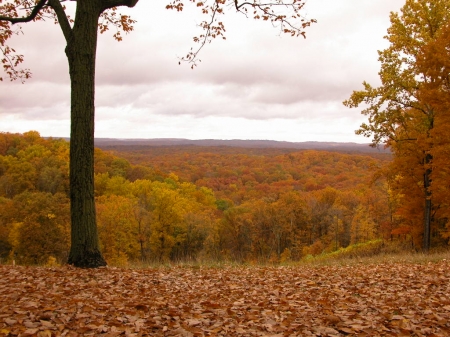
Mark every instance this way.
x=28 y=18
x=192 y=56
x=106 y=4
x=253 y=4
x=283 y=19
x=62 y=18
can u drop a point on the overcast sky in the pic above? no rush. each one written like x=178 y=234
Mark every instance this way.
x=255 y=85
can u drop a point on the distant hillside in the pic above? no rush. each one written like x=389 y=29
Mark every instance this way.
x=109 y=143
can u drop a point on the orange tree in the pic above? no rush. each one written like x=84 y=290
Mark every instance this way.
x=400 y=114
x=434 y=62
x=92 y=16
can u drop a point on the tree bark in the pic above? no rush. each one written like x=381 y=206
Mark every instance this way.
x=428 y=206
x=81 y=53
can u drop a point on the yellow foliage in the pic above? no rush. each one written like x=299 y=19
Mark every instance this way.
x=118 y=226
x=173 y=176
x=120 y=260
x=14 y=235
x=285 y=256
x=367 y=249
x=161 y=245
x=51 y=262
x=315 y=249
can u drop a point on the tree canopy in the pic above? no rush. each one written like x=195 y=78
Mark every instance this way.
x=211 y=204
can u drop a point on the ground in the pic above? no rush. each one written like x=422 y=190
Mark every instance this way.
x=390 y=299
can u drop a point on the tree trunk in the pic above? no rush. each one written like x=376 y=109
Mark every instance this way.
x=428 y=206
x=81 y=54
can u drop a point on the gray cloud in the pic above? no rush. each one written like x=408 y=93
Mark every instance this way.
x=261 y=84
x=35 y=99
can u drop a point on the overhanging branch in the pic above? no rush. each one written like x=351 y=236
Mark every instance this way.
x=28 y=18
x=106 y=4
x=285 y=15
x=192 y=56
x=253 y=4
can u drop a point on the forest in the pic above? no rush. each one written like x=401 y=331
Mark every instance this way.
x=192 y=203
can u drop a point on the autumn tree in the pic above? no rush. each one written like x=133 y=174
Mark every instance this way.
x=278 y=226
x=39 y=226
x=32 y=163
x=92 y=16
x=235 y=229
x=5 y=228
x=434 y=63
x=399 y=115
x=118 y=229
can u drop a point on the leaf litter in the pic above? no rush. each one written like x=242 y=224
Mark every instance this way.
x=391 y=299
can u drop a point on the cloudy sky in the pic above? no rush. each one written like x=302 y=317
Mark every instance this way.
x=255 y=85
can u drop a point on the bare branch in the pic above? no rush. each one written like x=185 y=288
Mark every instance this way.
x=28 y=18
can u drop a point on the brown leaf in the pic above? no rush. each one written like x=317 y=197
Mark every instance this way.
x=44 y=333
x=30 y=332
x=10 y=321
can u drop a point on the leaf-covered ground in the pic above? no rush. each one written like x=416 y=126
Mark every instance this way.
x=359 y=300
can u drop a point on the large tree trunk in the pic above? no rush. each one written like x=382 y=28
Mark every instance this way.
x=81 y=53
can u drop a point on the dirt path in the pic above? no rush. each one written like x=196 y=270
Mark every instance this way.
x=360 y=300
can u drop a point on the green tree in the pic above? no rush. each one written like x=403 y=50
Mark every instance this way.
x=397 y=114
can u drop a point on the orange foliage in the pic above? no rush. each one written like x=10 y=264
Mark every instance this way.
x=245 y=204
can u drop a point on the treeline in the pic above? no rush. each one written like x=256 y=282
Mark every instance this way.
x=195 y=205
